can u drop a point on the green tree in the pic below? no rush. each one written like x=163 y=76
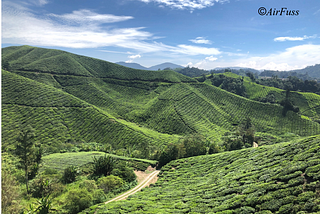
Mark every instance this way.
x=78 y=200
x=124 y=172
x=171 y=152
x=5 y=65
x=9 y=191
x=251 y=76
x=214 y=148
x=287 y=104
x=44 y=206
x=233 y=141
x=245 y=125
x=248 y=137
x=103 y=165
x=195 y=145
x=70 y=174
x=41 y=187
x=247 y=132
x=30 y=156
x=110 y=183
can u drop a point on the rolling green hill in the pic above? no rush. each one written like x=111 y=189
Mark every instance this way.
x=309 y=103
x=282 y=178
x=58 y=117
x=72 y=98
x=27 y=58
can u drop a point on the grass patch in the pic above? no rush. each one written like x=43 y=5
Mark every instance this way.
x=60 y=161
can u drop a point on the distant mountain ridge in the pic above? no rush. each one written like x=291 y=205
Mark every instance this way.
x=238 y=68
x=152 y=68
x=132 y=65
x=312 y=71
x=165 y=65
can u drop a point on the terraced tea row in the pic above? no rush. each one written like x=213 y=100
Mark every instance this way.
x=61 y=161
x=308 y=103
x=58 y=117
x=135 y=107
x=27 y=58
x=266 y=117
x=282 y=178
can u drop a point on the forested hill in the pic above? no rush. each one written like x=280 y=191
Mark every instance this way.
x=71 y=99
x=312 y=71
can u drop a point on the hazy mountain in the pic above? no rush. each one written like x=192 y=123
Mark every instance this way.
x=153 y=68
x=165 y=65
x=132 y=65
x=313 y=71
x=238 y=68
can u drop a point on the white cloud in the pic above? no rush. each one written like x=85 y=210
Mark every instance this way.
x=292 y=58
x=83 y=16
x=211 y=58
x=134 y=56
x=186 y=4
x=318 y=11
x=200 y=40
x=21 y=26
x=117 y=52
x=287 y=38
x=43 y=2
x=39 y=2
x=196 y=50
x=203 y=64
x=295 y=57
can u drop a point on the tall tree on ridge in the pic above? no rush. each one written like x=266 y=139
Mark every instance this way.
x=30 y=157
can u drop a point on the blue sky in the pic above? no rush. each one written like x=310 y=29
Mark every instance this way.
x=199 y=33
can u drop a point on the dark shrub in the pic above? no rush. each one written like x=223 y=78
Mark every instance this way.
x=103 y=165
x=69 y=174
x=78 y=200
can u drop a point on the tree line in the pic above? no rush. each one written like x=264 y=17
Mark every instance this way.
x=194 y=145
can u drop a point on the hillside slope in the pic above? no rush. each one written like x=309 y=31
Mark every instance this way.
x=308 y=103
x=164 y=66
x=312 y=71
x=282 y=178
x=58 y=117
x=75 y=98
x=132 y=65
x=27 y=58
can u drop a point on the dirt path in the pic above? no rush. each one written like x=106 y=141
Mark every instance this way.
x=144 y=183
x=141 y=175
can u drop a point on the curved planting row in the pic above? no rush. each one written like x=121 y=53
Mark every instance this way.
x=266 y=117
x=282 y=178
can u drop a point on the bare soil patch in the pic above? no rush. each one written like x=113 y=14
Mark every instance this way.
x=141 y=175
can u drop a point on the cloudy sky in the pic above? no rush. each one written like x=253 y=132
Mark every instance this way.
x=199 y=33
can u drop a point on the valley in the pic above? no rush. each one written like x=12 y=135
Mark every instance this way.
x=137 y=118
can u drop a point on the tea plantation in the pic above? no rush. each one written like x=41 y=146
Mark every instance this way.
x=60 y=161
x=71 y=98
x=309 y=103
x=91 y=107
x=282 y=178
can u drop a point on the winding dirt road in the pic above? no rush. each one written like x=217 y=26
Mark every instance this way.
x=144 y=183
